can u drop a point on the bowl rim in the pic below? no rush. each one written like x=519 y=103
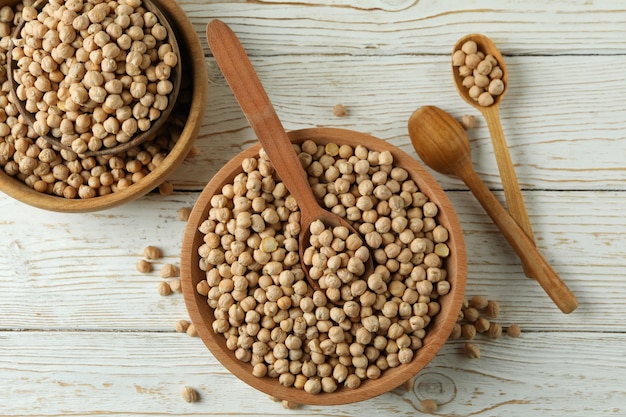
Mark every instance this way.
x=187 y=35
x=437 y=333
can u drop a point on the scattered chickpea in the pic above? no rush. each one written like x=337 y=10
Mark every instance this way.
x=191 y=330
x=339 y=110
x=478 y=302
x=144 y=266
x=492 y=309
x=193 y=152
x=151 y=252
x=471 y=314
x=514 y=330
x=175 y=285
x=428 y=406
x=468 y=331
x=456 y=331
x=169 y=271
x=183 y=214
x=189 y=394
x=408 y=384
x=471 y=350
x=494 y=331
x=166 y=188
x=182 y=326
x=290 y=405
x=164 y=288
x=482 y=325
x=468 y=121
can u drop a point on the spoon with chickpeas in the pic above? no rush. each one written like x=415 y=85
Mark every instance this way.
x=442 y=144
x=95 y=78
x=317 y=224
x=481 y=78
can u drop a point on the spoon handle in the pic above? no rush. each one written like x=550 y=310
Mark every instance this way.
x=540 y=269
x=512 y=191
x=253 y=100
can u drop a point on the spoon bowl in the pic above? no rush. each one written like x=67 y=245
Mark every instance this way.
x=136 y=139
x=486 y=45
x=442 y=144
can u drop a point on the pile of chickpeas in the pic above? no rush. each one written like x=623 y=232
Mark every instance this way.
x=262 y=303
x=336 y=258
x=94 y=73
x=28 y=158
x=481 y=74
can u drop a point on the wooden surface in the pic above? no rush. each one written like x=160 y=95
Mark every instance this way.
x=82 y=333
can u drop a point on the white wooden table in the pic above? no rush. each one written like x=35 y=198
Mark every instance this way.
x=83 y=333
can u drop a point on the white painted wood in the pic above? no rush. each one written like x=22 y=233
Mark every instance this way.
x=140 y=374
x=564 y=117
x=381 y=27
x=66 y=271
x=83 y=333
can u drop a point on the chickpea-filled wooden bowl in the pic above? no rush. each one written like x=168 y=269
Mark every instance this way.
x=98 y=97
x=354 y=337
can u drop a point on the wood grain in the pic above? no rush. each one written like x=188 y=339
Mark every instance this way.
x=48 y=374
x=551 y=148
x=83 y=333
x=78 y=272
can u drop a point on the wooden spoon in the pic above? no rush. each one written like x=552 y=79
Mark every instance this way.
x=442 y=144
x=139 y=137
x=245 y=84
x=512 y=191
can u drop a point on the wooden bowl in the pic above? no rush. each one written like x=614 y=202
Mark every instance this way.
x=437 y=332
x=195 y=84
x=140 y=136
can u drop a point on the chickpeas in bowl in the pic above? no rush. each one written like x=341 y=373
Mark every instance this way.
x=353 y=338
x=56 y=178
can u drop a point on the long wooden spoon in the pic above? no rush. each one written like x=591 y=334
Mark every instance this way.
x=442 y=144
x=243 y=80
x=512 y=191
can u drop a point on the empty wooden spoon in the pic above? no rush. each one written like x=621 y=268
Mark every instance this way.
x=442 y=144
x=491 y=113
x=242 y=79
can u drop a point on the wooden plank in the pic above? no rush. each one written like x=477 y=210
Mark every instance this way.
x=379 y=27
x=141 y=374
x=565 y=129
x=68 y=271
